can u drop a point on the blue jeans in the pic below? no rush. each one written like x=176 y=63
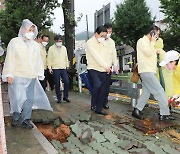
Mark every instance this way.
x=21 y=94
x=27 y=107
x=57 y=74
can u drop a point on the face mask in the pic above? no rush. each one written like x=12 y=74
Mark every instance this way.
x=44 y=43
x=108 y=35
x=58 y=44
x=29 y=35
x=101 y=39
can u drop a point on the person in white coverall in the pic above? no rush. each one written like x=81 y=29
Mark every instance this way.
x=23 y=66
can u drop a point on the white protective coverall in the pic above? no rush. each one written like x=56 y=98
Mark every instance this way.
x=24 y=64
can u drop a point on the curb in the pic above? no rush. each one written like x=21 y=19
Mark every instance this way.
x=47 y=146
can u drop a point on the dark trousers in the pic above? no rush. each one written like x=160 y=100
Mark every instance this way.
x=98 y=90
x=44 y=82
x=57 y=74
x=50 y=80
x=107 y=83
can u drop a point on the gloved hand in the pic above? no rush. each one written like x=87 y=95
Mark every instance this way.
x=176 y=98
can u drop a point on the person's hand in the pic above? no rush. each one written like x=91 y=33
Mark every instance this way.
x=158 y=51
x=108 y=70
x=10 y=80
x=51 y=71
x=116 y=70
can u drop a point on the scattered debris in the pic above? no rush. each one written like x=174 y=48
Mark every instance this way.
x=86 y=136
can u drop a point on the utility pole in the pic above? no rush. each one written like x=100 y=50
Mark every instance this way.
x=87 y=30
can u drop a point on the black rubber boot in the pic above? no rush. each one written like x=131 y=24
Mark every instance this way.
x=27 y=124
x=15 y=119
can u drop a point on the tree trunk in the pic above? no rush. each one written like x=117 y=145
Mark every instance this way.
x=69 y=26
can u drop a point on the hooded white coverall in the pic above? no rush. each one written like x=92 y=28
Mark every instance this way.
x=24 y=64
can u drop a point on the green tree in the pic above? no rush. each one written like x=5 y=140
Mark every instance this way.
x=38 y=11
x=171 y=9
x=131 y=21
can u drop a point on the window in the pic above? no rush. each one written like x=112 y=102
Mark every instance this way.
x=126 y=60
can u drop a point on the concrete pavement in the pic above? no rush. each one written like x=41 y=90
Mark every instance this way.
x=116 y=133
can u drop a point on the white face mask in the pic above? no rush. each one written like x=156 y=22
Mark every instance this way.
x=108 y=35
x=58 y=44
x=29 y=35
x=101 y=39
x=44 y=43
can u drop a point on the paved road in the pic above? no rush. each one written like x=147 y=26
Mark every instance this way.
x=147 y=135
x=116 y=133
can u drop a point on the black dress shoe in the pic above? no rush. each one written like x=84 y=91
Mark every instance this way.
x=93 y=108
x=66 y=100
x=137 y=113
x=106 y=106
x=26 y=124
x=166 y=117
x=101 y=112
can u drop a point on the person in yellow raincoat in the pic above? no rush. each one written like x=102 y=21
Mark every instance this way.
x=167 y=74
x=176 y=80
x=176 y=83
x=171 y=62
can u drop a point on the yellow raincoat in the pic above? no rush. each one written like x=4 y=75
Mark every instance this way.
x=176 y=79
x=167 y=74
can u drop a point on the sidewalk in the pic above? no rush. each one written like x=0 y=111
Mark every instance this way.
x=116 y=133
x=20 y=140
